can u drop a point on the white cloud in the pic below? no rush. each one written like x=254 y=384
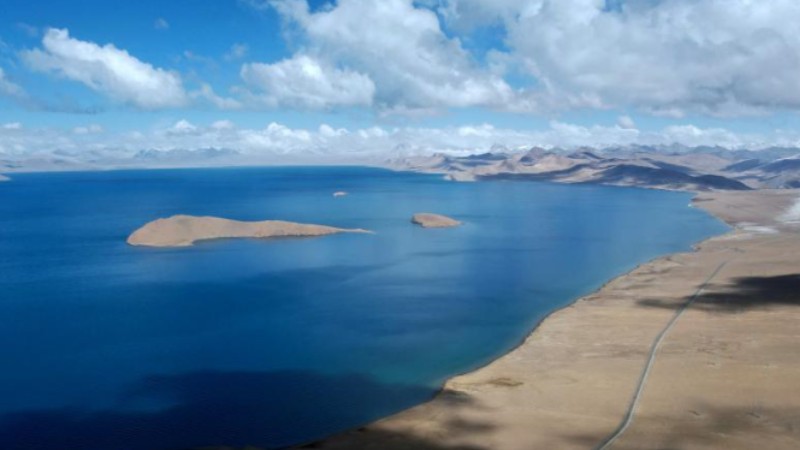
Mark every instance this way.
x=416 y=57
x=703 y=136
x=328 y=131
x=223 y=125
x=161 y=24
x=281 y=144
x=193 y=57
x=569 y=135
x=107 y=70
x=305 y=82
x=668 y=58
x=207 y=93
x=403 y=50
x=626 y=122
x=12 y=126
x=9 y=88
x=88 y=129
x=28 y=29
x=182 y=127
x=721 y=57
x=466 y=15
x=237 y=51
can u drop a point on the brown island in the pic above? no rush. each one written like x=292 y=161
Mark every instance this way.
x=183 y=230
x=430 y=220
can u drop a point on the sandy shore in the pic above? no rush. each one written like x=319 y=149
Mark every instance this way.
x=725 y=374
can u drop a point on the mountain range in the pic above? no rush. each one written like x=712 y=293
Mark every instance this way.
x=671 y=167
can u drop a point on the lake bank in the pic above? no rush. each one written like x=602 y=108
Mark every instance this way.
x=723 y=376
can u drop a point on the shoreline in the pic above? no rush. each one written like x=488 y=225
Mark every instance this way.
x=244 y=165
x=443 y=390
x=425 y=424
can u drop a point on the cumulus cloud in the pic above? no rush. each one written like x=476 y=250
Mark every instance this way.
x=182 y=126
x=466 y=15
x=722 y=57
x=668 y=58
x=107 y=70
x=671 y=58
x=306 y=82
x=413 y=64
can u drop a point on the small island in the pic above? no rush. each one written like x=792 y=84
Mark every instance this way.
x=184 y=230
x=430 y=220
x=4 y=178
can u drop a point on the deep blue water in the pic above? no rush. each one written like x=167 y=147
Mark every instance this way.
x=105 y=346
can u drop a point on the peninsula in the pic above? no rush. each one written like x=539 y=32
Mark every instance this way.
x=184 y=230
x=430 y=220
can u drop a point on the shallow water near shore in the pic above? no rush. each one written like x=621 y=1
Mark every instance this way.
x=270 y=343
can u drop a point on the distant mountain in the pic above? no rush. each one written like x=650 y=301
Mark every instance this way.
x=62 y=160
x=653 y=166
x=782 y=166
x=742 y=166
x=665 y=178
x=672 y=167
x=184 y=155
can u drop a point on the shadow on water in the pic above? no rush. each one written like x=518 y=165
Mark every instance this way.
x=262 y=409
x=376 y=436
x=744 y=294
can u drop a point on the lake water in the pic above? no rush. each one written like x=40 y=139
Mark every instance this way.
x=104 y=346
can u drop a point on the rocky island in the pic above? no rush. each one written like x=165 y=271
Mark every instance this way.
x=430 y=220
x=184 y=230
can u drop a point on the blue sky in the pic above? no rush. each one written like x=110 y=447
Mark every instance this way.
x=688 y=71
x=206 y=30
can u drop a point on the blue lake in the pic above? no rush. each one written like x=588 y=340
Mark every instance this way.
x=104 y=346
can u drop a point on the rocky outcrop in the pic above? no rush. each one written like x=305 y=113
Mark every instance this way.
x=430 y=220
x=182 y=230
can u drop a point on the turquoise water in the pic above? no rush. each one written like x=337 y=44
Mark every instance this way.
x=105 y=346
